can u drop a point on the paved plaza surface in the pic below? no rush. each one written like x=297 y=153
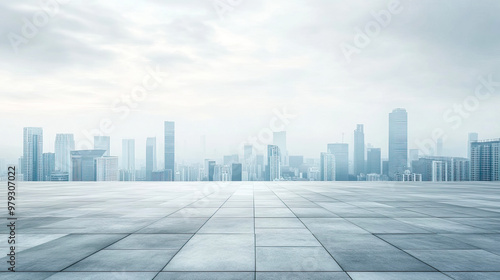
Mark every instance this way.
x=255 y=230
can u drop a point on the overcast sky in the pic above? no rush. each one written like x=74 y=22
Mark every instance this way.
x=225 y=69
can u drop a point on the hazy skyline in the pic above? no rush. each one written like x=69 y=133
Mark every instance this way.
x=225 y=76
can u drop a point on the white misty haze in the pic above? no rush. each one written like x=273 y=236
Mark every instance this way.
x=226 y=76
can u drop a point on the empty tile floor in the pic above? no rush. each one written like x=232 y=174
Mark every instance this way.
x=255 y=230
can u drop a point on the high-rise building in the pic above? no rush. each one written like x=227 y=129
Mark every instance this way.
x=341 y=153
x=236 y=169
x=373 y=161
x=83 y=164
x=211 y=170
x=398 y=142
x=485 y=156
x=279 y=139
x=32 y=153
x=249 y=158
x=170 y=148
x=359 y=150
x=106 y=169
x=273 y=163
x=102 y=143
x=150 y=157
x=327 y=167
x=473 y=136
x=128 y=155
x=49 y=165
x=64 y=144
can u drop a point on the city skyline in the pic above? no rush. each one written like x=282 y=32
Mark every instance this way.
x=425 y=146
x=403 y=164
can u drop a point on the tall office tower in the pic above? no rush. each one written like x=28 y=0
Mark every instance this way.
x=414 y=154
x=359 y=150
x=236 y=171
x=373 y=161
x=273 y=163
x=150 y=157
x=341 y=153
x=170 y=149
x=128 y=155
x=327 y=167
x=49 y=165
x=102 y=143
x=65 y=143
x=439 y=147
x=228 y=160
x=32 y=153
x=398 y=142
x=83 y=164
x=485 y=164
x=249 y=163
x=106 y=169
x=473 y=136
x=211 y=170
x=279 y=139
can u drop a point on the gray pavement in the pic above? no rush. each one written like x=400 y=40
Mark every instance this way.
x=255 y=230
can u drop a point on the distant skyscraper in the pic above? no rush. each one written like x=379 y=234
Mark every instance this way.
x=211 y=170
x=150 y=157
x=485 y=165
x=373 y=161
x=102 y=143
x=32 y=153
x=398 y=142
x=359 y=150
x=249 y=163
x=341 y=153
x=170 y=148
x=49 y=162
x=106 y=169
x=128 y=155
x=65 y=143
x=273 y=162
x=83 y=164
x=236 y=171
x=473 y=136
x=327 y=167
x=279 y=139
